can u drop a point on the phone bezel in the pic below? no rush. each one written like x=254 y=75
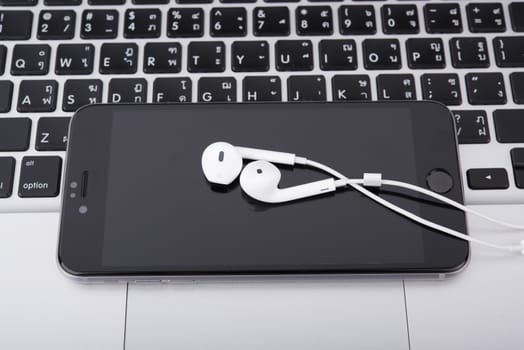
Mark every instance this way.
x=81 y=236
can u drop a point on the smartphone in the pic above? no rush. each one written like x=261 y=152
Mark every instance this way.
x=136 y=204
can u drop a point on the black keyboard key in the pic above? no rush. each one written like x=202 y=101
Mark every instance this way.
x=517 y=157
x=3 y=56
x=15 y=25
x=509 y=51
x=162 y=58
x=118 y=58
x=488 y=179
x=142 y=23
x=62 y=2
x=271 y=21
x=517 y=160
x=444 y=88
x=382 y=54
x=469 y=52
x=106 y=2
x=517 y=86
x=396 y=87
x=6 y=95
x=185 y=22
x=223 y=89
x=228 y=21
x=99 y=24
x=516 y=12
x=14 y=134
x=172 y=90
x=54 y=25
x=258 y=89
x=37 y=96
x=509 y=125
x=338 y=54
x=30 y=60
x=425 y=53
x=18 y=2
x=250 y=56
x=486 y=17
x=74 y=59
x=351 y=88
x=206 y=56
x=7 y=172
x=442 y=18
x=294 y=55
x=127 y=91
x=52 y=134
x=237 y=1
x=281 y=0
x=314 y=20
x=400 y=19
x=193 y=1
x=150 y=2
x=40 y=177
x=471 y=126
x=486 y=88
x=357 y=20
x=306 y=88
x=78 y=93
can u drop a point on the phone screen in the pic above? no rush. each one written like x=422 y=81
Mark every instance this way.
x=162 y=213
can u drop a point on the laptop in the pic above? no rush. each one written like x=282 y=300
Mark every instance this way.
x=58 y=55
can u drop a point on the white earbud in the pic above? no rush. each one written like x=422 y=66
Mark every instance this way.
x=222 y=162
x=260 y=180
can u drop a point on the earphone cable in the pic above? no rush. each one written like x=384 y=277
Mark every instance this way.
x=357 y=185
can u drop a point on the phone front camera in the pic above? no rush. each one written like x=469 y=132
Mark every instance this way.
x=83 y=209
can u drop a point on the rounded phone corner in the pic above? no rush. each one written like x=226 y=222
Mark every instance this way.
x=460 y=263
x=87 y=108
x=69 y=269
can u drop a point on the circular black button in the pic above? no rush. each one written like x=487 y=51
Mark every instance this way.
x=439 y=181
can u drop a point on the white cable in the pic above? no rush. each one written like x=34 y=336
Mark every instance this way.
x=356 y=184
x=449 y=202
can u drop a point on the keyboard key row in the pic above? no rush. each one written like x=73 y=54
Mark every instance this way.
x=232 y=21
x=51 y=134
x=253 y=56
x=481 y=88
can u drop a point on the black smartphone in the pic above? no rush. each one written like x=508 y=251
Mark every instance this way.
x=136 y=203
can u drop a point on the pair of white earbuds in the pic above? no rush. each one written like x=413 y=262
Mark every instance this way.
x=222 y=163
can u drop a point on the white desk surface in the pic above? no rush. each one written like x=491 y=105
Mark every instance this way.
x=481 y=308
x=42 y=309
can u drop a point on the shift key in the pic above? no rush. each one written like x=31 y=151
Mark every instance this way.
x=40 y=177
x=7 y=169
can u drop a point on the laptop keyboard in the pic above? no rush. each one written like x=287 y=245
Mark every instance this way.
x=58 y=55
